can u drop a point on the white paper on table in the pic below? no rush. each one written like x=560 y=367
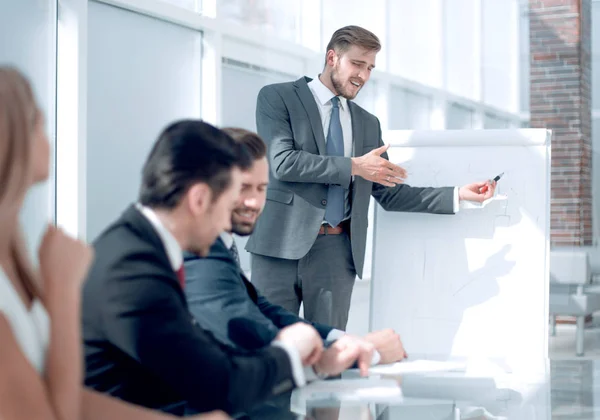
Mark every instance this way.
x=352 y=388
x=419 y=366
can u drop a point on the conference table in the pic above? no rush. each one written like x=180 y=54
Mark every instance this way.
x=432 y=391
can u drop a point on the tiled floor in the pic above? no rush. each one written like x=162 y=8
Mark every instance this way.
x=575 y=380
x=575 y=389
x=562 y=345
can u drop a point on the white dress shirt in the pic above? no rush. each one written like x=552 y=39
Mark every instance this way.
x=323 y=98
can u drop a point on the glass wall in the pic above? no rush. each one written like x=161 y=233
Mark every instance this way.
x=459 y=117
x=28 y=42
x=421 y=20
x=273 y=17
x=194 y=5
x=143 y=73
x=241 y=84
x=409 y=110
x=462 y=45
x=367 y=97
x=500 y=58
x=493 y=121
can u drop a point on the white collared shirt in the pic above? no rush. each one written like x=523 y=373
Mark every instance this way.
x=227 y=239
x=323 y=97
x=171 y=245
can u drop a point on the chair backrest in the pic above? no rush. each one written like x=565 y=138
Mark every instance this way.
x=570 y=267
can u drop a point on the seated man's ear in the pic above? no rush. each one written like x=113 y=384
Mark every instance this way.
x=198 y=198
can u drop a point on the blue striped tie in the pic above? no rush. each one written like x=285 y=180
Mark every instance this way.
x=334 y=211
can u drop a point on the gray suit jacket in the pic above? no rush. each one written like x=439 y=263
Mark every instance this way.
x=288 y=120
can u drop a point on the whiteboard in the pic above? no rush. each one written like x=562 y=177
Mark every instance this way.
x=473 y=284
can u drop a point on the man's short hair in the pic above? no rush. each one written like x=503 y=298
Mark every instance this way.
x=348 y=36
x=248 y=139
x=188 y=152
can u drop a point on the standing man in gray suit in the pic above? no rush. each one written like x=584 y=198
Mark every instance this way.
x=327 y=158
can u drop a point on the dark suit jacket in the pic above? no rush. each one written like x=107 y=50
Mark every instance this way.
x=226 y=303
x=288 y=119
x=143 y=345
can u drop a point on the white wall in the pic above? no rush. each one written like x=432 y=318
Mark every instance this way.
x=28 y=42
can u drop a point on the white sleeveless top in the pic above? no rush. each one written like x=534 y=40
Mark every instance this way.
x=31 y=328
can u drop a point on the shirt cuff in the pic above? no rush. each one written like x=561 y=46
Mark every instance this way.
x=310 y=375
x=298 y=371
x=456 y=200
x=335 y=334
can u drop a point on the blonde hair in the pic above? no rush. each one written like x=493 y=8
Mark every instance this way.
x=18 y=116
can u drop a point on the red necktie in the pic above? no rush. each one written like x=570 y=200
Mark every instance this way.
x=181 y=276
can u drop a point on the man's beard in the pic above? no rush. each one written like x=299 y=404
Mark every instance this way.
x=339 y=87
x=242 y=229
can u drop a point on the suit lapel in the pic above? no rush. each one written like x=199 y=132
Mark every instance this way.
x=357 y=130
x=357 y=140
x=136 y=221
x=308 y=101
x=249 y=288
x=247 y=284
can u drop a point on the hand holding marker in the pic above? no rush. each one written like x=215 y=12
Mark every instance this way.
x=486 y=187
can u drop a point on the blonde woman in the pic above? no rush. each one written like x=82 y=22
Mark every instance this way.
x=40 y=343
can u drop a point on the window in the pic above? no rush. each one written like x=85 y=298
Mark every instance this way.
x=241 y=83
x=128 y=105
x=194 y=5
x=492 y=121
x=28 y=42
x=409 y=110
x=416 y=40
x=462 y=37
x=275 y=17
x=459 y=117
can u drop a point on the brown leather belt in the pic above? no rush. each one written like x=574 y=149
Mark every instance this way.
x=341 y=228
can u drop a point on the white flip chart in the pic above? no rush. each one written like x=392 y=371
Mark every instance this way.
x=473 y=284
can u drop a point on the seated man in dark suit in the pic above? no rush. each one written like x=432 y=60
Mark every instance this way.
x=225 y=302
x=141 y=343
